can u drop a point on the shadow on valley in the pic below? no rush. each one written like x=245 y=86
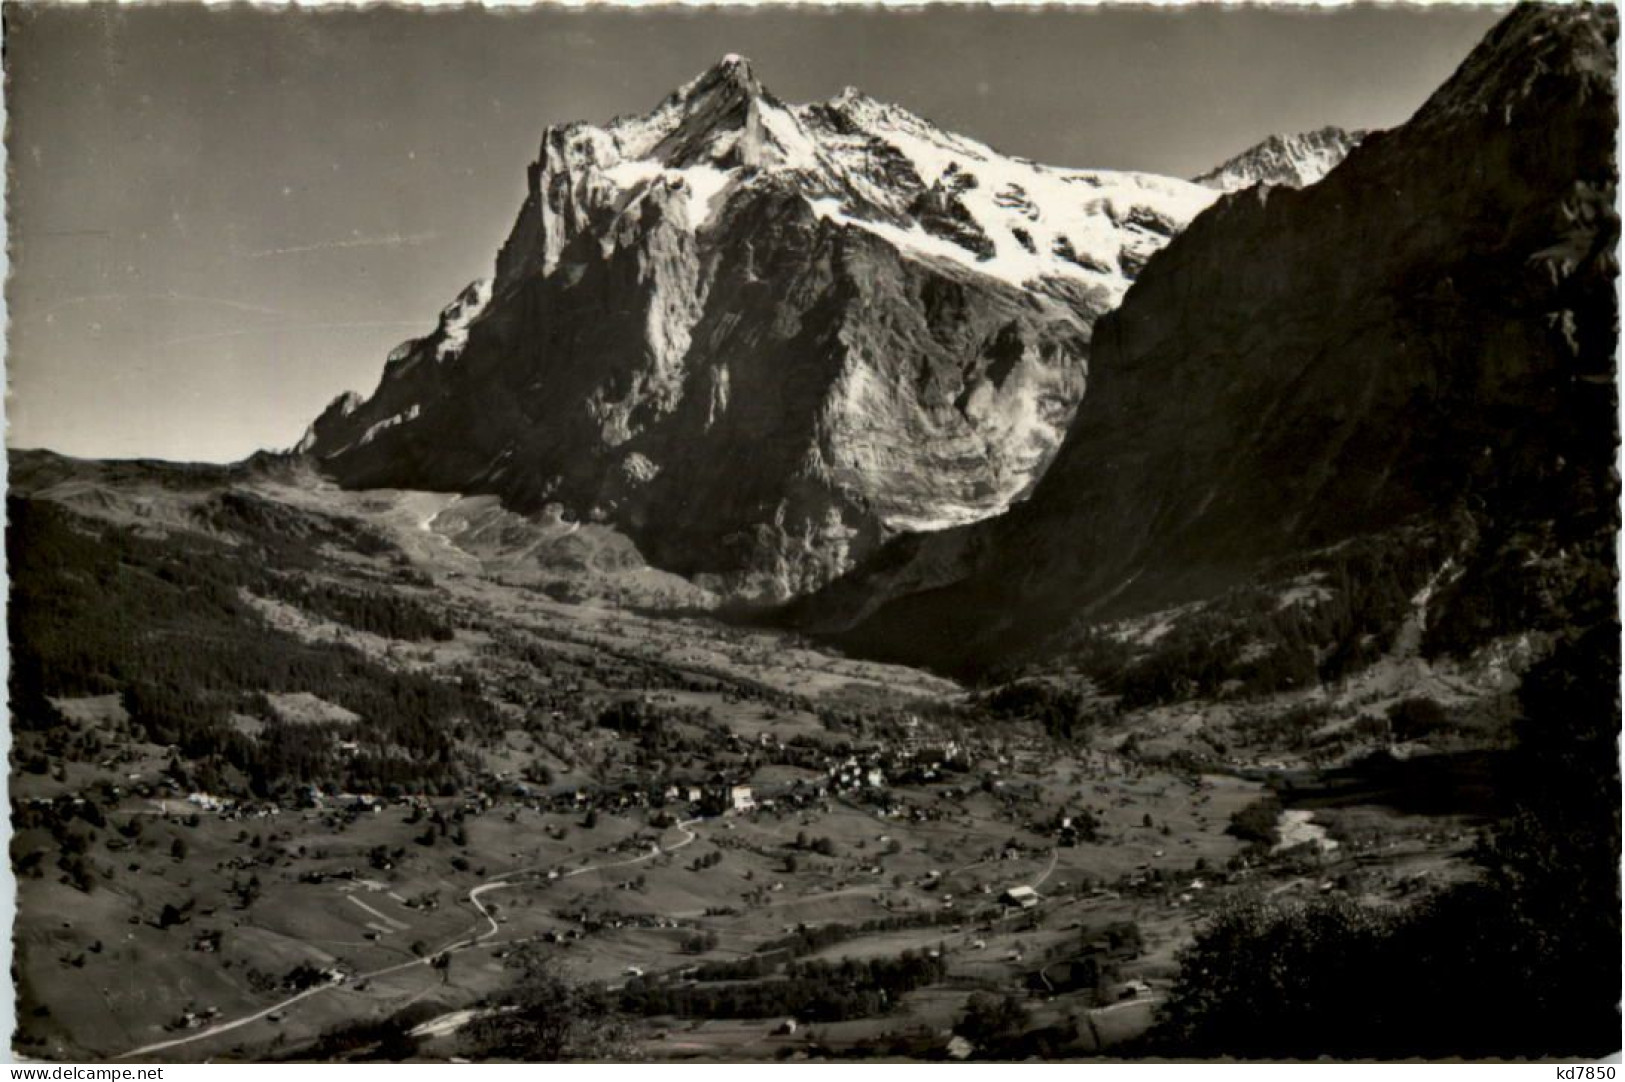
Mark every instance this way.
x=1465 y=783
x=1521 y=961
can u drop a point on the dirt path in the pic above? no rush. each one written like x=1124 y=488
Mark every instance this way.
x=1054 y=856
x=474 y=938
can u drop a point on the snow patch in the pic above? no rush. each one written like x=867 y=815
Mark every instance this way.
x=1096 y=222
x=946 y=517
x=1094 y=213
x=705 y=183
x=626 y=175
x=346 y=404
x=459 y=316
x=372 y=432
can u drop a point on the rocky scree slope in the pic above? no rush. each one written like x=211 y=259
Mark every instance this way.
x=1426 y=335
x=764 y=338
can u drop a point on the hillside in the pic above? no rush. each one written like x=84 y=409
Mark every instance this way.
x=1417 y=350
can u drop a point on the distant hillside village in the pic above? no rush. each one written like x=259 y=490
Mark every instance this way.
x=744 y=777
x=867 y=776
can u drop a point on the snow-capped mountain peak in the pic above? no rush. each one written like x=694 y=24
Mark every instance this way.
x=890 y=322
x=865 y=164
x=950 y=196
x=724 y=117
x=1293 y=161
x=1457 y=267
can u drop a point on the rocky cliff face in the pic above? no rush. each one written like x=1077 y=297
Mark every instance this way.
x=1291 y=161
x=764 y=338
x=1428 y=331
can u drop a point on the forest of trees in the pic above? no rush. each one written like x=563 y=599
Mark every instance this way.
x=811 y=991
x=1532 y=563
x=1246 y=642
x=162 y=622
x=1523 y=961
x=809 y=939
x=545 y=1017
x=1065 y=713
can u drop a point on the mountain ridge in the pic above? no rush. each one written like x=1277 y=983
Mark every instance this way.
x=833 y=323
x=1290 y=160
x=1354 y=356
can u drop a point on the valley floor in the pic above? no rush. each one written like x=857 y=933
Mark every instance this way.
x=662 y=796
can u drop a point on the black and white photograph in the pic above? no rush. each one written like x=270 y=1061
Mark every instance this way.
x=775 y=533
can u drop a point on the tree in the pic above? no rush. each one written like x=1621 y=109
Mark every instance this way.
x=1256 y=822
x=544 y=1017
x=1276 y=978
x=1522 y=962
x=991 y=1020
x=699 y=942
x=247 y=893
x=1416 y=718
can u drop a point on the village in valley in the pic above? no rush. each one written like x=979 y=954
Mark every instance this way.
x=805 y=582
x=753 y=847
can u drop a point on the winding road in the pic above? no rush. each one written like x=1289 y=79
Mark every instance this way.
x=474 y=938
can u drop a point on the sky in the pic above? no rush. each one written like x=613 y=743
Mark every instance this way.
x=220 y=219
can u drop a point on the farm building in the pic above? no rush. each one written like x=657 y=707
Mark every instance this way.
x=1020 y=898
x=721 y=796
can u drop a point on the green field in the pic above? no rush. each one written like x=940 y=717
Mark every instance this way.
x=413 y=760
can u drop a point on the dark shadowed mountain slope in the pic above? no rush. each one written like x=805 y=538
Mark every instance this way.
x=763 y=338
x=1425 y=337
